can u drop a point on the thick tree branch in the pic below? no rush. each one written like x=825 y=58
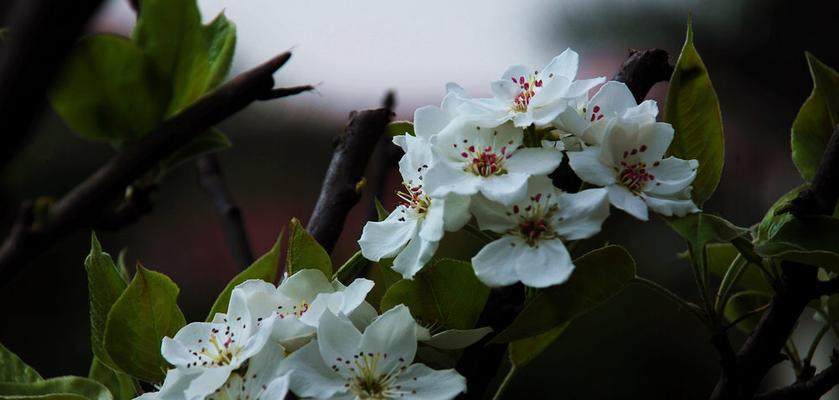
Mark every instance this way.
x=810 y=389
x=385 y=158
x=342 y=185
x=798 y=284
x=39 y=35
x=230 y=216
x=82 y=206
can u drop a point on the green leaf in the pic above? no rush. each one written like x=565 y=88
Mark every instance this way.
x=720 y=256
x=305 y=252
x=807 y=240
x=109 y=90
x=700 y=228
x=146 y=312
x=265 y=268
x=523 y=351
x=351 y=268
x=104 y=286
x=170 y=32
x=119 y=384
x=211 y=141
x=13 y=369
x=816 y=119
x=598 y=276
x=398 y=128
x=381 y=211
x=66 y=387
x=220 y=38
x=383 y=277
x=694 y=111
x=773 y=220
x=447 y=294
x=742 y=303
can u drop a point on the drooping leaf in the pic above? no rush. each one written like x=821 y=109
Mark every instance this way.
x=741 y=304
x=170 y=32
x=264 y=268
x=447 y=295
x=807 y=240
x=351 y=268
x=694 y=111
x=398 y=128
x=119 y=384
x=110 y=90
x=523 y=351
x=598 y=276
x=816 y=119
x=220 y=38
x=305 y=252
x=146 y=312
x=211 y=141
x=104 y=286
x=65 y=387
x=13 y=369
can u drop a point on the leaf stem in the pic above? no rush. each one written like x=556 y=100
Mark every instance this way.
x=816 y=340
x=506 y=382
x=693 y=308
x=732 y=275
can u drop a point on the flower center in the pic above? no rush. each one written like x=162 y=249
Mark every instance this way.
x=527 y=89
x=534 y=220
x=296 y=310
x=486 y=162
x=222 y=353
x=634 y=176
x=364 y=380
x=414 y=198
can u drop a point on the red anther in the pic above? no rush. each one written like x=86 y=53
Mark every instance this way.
x=596 y=109
x=471 y=148
x=643 y=147
x=521 y=80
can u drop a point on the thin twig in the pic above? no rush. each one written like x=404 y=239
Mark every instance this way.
x=811 y=389
x=678 y=300
x=83 y=204
x=211 y=180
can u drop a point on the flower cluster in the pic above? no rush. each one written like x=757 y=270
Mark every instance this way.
x=489 y=158
x=309 y=336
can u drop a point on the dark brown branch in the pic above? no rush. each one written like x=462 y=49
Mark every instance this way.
x=342 y=185
x=39 y=36
x=643 y=69
x=81 y=206
x=810 y=389
x=136 y=204
x=797 y=286
x=230 y=216
x=385 y=158
x=285 y=92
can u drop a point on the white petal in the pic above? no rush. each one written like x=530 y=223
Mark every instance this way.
x=355 y=294
x=672 y=175
x=305 y=285
x=590 y=168
x=291 y=333
x=310 y=376
x=394 y=336
x=564 y=65
x=507 y=188
x=611 y=100
x=239 y=316
x=657 y=137
x=338 y=340
x=492 y=216
x=414 y=256
x=622 y=198
x=546 y=264
x=419 y=382
x=277 y=389
x=670 y=207
x=255 y=343
x=429 y=120
x=431 y=226
x=582 y=86
x=534 y=161
x=504 y=89
x=442 y=180
x=386 y=238
x=456 y=213
x=515 y=71
x=544 y=114
x=453 y=339
x=496 y=262
x=363 y=315
x=642 y=113
x=581 y=214
x=569 y=120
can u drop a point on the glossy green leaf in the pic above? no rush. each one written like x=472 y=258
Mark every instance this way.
x=774 y=219
x=446 y=294
x=66 y=387
x=109 y=90
x=13 y=369
x=598 y=276
x=220 y=38
x=119 y=384
x=146 y=312
x=398 y=128
x=720 y=256
x=742 y=303
x=305 y=252
x=694 y=111
x=523 y=351
x=816 y=119
x=211 y=141
x=170 y=32
x=104 y=286
x=351 y=268
x=264 y=268
x=381 y=211
x=807 y=240
x=700 y=228
x=383 y=277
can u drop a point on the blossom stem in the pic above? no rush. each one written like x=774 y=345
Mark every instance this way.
x=816 y=340
x=483 y=236
x=732 y=275
x=693 y=308
x=506 y=382
x=701 y=284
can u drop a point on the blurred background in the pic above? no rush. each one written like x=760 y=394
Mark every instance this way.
x=637 y=345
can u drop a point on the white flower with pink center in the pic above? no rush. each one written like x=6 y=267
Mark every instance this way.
x=531 y=248
x=526 y=96
x=475 y=159
x=630 y=165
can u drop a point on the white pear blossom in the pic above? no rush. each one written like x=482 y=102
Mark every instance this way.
x=590 y=120
x=299 y=300
x=175 y=386
x=377 y=364
x=630 y=165
x=527 y=96
x=531 y=248
x=213 y=350
x=473 y=159
x=259 y=381
x=413 y=230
